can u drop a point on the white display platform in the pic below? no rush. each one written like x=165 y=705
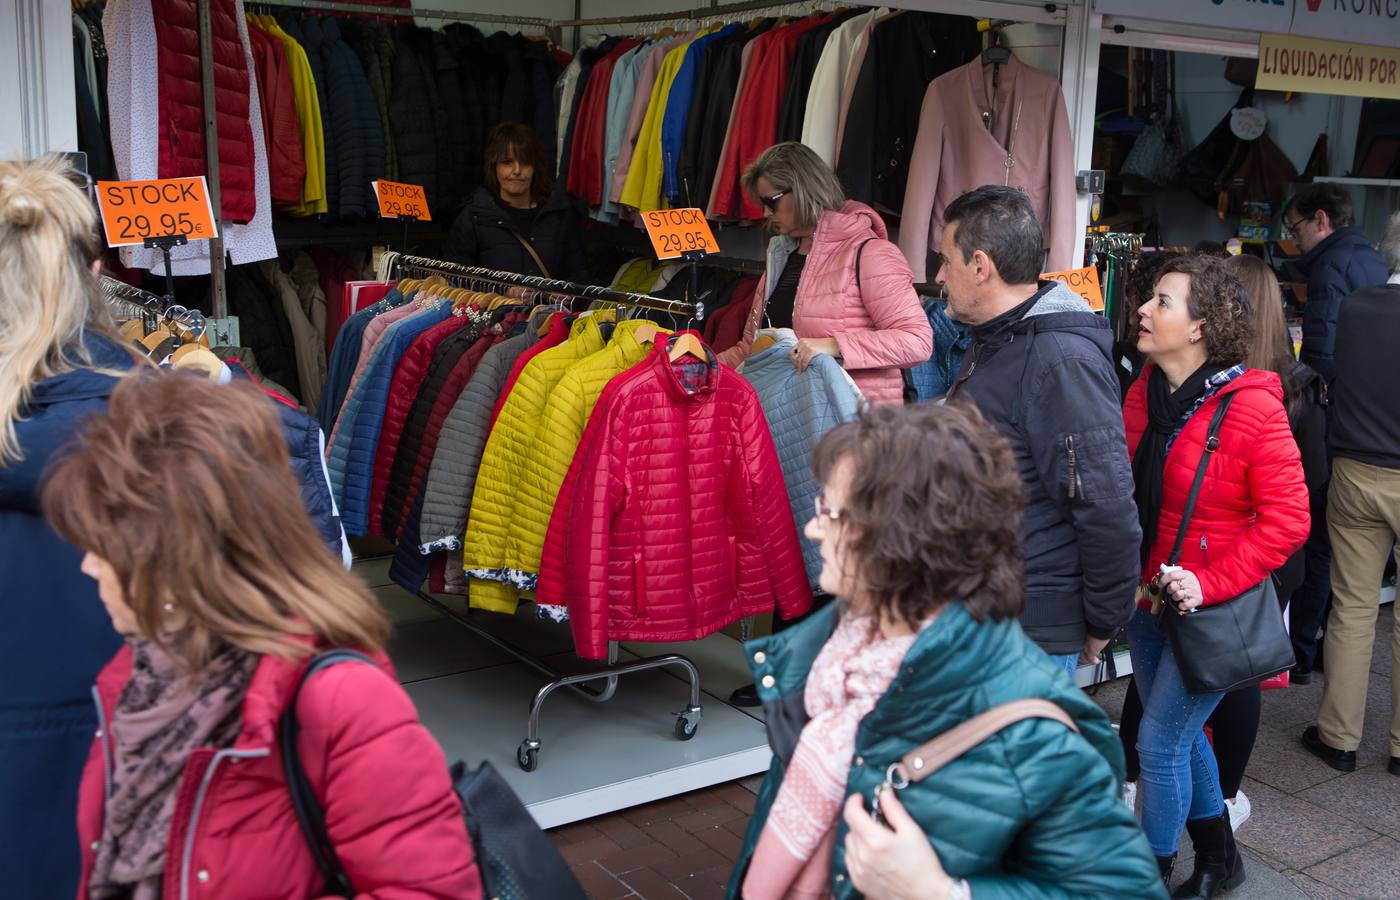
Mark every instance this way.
x=596 y=757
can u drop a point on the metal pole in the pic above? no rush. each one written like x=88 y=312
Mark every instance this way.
x=217 y=290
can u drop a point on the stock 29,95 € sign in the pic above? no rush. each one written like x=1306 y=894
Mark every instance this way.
x=135 y=211
x=675 y=232
x=402 y=201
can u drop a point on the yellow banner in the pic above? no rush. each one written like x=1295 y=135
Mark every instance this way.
x=1309 y=65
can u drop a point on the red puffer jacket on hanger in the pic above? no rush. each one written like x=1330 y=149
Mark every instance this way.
x=181 y=127
x=1252 y=512
x=673 y=521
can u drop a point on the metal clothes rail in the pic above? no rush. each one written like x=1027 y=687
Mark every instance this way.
x=423 y=265
x=688 y=719
x=415 y=12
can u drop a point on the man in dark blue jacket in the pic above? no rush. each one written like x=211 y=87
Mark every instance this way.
x=1040 y=370
x=1337 y=259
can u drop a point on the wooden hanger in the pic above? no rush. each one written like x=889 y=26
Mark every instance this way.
x=194 y=358
x=762 y=342
x=133 y=329
x=646 y=333
x=688 y=343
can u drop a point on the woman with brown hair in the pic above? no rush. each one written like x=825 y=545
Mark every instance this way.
x=59 y=360
x=1250 y=516
x=520 y=220
x=924 y=551
x=210 y=569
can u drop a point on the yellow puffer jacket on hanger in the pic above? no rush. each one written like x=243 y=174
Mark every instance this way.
x=512 y=441
x=561 y=429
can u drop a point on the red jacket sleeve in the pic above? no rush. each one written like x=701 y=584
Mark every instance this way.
x=594 y=493
x=1280 y=498
x=391 y=812
x=774 y=527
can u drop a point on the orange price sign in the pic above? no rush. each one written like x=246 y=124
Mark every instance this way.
x=1084 y=282
x=677 y=231
x=398 y=200
x=134 y=211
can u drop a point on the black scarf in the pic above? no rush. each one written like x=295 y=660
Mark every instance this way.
x=1165 y=409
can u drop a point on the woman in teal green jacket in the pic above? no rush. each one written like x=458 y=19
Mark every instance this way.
x=918 y=524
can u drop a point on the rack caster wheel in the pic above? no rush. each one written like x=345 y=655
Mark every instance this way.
x=687 y=723
x=527 y=757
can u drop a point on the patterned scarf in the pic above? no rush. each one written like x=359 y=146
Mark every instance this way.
x=161 y=717
x=852 y=672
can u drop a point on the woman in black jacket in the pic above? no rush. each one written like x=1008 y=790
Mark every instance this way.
x=519 y=221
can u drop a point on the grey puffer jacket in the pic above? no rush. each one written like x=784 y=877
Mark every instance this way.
x=452 y=475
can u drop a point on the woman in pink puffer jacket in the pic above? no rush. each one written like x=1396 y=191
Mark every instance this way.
x=873 y=324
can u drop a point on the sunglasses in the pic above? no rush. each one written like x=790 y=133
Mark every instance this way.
x=772 y=202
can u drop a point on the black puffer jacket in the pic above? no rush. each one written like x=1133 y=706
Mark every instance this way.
x=353 y=117
x=264 y=327
x=374 y=46
x=458 y=122
x=413 y=114
x=1042 y=374
x=481 y=76
x=307 y=32
x=484 y=236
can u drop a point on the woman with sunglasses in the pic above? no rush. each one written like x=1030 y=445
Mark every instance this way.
x=833 y=277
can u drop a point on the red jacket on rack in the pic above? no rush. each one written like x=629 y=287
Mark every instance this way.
x=286 y=160
x=673 y=520
x=585 y=174
x=1252 y=512
x=391 y=812
x=181 y=128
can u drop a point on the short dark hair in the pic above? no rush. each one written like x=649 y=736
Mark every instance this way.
x=1217 y=297
x=1001 y=222
x=1332 y=199
x=512 y=140
x=933 y=514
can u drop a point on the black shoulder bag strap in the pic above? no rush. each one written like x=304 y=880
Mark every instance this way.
x=310 y=814
x=1212 y=444
x=860 y=251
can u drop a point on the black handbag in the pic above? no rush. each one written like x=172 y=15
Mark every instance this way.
x=515 y=858
x=1231 y=644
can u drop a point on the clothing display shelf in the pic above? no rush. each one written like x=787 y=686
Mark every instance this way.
x=688 y=719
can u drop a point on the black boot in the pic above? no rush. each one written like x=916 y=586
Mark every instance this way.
x=1164 y=865
x=1218 y=867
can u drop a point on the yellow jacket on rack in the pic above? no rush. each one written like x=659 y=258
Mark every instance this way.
x=313 y=139
x=642 y=189
x=561 y=428
x=512 y=441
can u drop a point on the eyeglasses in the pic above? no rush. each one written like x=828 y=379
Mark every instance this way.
x=1291 y=228
x=772 y=202
x=827 y=513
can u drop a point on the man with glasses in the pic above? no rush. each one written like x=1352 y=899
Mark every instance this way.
x=1337 y=259
x=1040 y=370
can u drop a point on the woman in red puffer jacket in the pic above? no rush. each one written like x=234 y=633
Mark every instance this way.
x=223 y=591
x=1251 y=515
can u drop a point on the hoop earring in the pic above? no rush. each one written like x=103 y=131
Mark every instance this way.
x=169 y=607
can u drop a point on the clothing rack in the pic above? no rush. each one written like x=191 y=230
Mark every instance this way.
x=423 y=266
x=151 y=307
x=548 y=25
x=688 y=719
x=1121 y=243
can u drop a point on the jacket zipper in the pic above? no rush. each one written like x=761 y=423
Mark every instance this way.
x=1205 y=556
x=1076 y=486
x=1010 y=142
x=187 y=855
x=104 y=735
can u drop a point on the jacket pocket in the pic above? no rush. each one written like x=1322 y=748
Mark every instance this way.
x=639 y=593
x=1094 y=466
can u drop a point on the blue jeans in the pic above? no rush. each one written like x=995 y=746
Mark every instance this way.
x=1067 y=661
x=1180 y=779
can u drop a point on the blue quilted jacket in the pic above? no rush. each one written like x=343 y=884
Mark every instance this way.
x=800 y=409
x=1034 y=811
x=344 y=357
x=352 y=455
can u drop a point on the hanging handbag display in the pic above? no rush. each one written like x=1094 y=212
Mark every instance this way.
x=1236 y=642
x=517 y=861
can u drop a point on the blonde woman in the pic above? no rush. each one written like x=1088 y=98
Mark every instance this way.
x=58 y=364
x=209 y=567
